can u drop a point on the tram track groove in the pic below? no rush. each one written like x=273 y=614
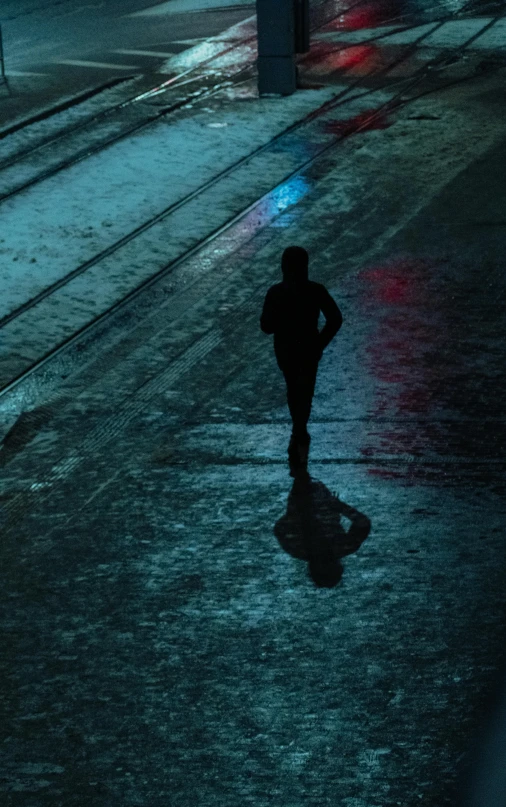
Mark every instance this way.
x=442 y=60
x=111 y=426
x=151 y=282
x=90 y=150
x=171 y=84
x=339 y=100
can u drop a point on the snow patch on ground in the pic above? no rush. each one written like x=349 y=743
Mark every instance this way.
x=52 y=228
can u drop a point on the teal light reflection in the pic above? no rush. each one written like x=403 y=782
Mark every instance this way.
x=268 y=211
x=283 y=197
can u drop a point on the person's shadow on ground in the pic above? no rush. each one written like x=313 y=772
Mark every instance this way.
x=311 y=529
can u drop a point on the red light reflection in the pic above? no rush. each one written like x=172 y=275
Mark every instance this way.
x=369 y=15
x=405 y=354
x=355 y=59
x=353 y=56
x=393 y=285
x=364 y=122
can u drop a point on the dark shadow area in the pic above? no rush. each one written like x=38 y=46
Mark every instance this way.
x=23 y=431
x=311 y=529
x=482 y=771
x=5 y=86
x=29 y=424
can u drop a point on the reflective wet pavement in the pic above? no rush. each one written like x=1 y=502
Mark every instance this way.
x=188 y=625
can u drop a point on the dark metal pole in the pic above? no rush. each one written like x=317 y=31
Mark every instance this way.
x=276 y=47
x=301 y=8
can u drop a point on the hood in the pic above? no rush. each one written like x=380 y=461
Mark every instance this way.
x=294 y=265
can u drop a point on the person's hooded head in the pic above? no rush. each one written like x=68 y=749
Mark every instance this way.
x=294 y=264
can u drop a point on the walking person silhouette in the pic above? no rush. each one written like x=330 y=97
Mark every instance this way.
x=290 y=312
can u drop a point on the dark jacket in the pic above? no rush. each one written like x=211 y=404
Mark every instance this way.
x=291 y=310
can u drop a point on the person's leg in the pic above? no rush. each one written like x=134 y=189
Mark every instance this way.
x=292 y=393
x=290 y=373
x=305 y=386
x=300 y=384
x=305 y=391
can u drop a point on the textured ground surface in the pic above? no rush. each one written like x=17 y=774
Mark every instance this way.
x=164 y=638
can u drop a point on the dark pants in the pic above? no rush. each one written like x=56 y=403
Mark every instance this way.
x=300 y=377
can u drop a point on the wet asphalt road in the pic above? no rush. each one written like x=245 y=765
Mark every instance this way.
x=56 y=48
x=165 y=641
x=38 y=35
x=54 y=51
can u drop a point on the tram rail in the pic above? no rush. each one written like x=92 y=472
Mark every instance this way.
x=398 y=99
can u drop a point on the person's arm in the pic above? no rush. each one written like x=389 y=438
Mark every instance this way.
x=333 y=318
x=268 y=318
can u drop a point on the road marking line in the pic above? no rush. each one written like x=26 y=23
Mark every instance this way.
x=10 y=73
x=190 y=6
x=105 y=65
x=164 y=55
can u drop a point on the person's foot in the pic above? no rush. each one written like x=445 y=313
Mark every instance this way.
x=293 y=452
x=304 y=451
x=298 y=450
